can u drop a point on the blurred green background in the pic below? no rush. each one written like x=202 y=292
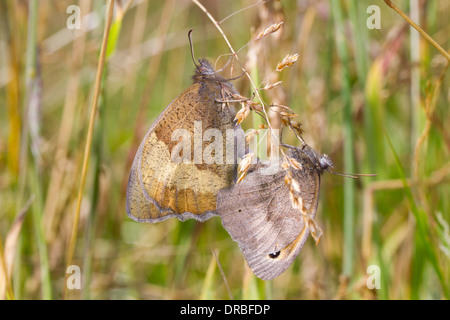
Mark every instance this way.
x=375 y=100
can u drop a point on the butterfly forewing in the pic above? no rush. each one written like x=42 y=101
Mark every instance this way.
x=160 y=188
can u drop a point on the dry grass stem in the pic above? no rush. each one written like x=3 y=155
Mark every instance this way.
x=87 y=149
x=421 y=31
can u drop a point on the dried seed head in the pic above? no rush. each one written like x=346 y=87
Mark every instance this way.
x=293 y=199
x=287 y=115
x=273 y=28
x=242 y=113
x=295 y=186
x=246 y=162
x=280 y=106
x=288 y=61
x=238 y=97
x=241 y=177
x=297 y=203
x=287 y=179
x=245 y=165
x=272 y=85
x=316 y=231
x=255 y=106
x=262 y=126
x=294 y=125
x=291 y=162
x=297 y=127
x=250 y=135
x=295 y=164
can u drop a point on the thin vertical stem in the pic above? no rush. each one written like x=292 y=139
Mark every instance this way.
x=87 y=149
x=421 y=31
x=32 y=139
x=415 y=76
x=349 y=189
x=6 y=281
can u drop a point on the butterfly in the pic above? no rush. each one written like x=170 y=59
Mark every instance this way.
x=160 y=187
x=259 y=214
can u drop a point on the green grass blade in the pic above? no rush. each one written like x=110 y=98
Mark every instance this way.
x=423 y=226
x=349 y=187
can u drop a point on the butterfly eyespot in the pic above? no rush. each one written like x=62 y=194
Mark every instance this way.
x=274 y=255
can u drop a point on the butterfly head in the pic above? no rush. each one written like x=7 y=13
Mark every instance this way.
x=325 y=162
x=205 y=68
x=206 y=72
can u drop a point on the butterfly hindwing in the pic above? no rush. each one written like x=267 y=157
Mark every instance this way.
x=258 y=214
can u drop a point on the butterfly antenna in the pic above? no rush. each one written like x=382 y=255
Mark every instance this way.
x=352 y=176
x=346 y=175
x=235 y=78
x=292 y=147
x=192 y=48
x=286 y=146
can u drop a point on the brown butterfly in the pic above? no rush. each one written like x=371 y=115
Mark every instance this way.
x=159 y=187
x=259 y=215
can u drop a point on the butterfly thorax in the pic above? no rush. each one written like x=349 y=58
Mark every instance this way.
x=320 y=161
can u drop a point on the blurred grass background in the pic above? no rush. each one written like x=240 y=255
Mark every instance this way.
x=375 y=100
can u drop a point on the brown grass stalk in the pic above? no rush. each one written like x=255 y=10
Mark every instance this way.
x=421 y=31
x=87 y=149
x=233 y=52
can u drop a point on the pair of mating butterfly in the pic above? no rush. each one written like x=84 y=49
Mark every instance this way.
x=257 y=212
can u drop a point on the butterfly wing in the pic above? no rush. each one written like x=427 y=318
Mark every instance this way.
x=259 y=216
x=160 y=188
